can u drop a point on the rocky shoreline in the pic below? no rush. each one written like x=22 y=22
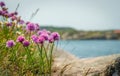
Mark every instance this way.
x=66 y=64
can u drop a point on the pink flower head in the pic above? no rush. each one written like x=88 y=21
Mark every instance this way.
x=15 y=13
x=0 y=12
x=40 y=40
x=27 y=23
x=55 y=35
x=34 y=38
x=46 y=31
x=9 y=24
x=51 y=39
x=20 y=39
x=37 y=27
x=26 y=43
x=45 y=36
x=39 y=32
x=30 y=27
x=3 y=13
x=10 y=43
x=43 y=32
x=14 y=18
x=2 y=4
x=21 y=22
x=11 y=14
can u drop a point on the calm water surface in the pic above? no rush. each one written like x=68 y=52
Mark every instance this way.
x=90 y=48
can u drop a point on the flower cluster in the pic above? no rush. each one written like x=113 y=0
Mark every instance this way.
x=44 y=35
x=22 y=40
x=13 y=16
x=38 y=36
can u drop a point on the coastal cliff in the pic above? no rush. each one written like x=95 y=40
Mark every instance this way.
x=66 y=64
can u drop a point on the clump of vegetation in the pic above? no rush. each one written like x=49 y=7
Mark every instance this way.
x=25 y=50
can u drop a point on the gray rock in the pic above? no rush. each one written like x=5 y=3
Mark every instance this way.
x=117 y=66
x=69 y=65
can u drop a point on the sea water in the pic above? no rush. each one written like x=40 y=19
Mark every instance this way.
x=90 y=48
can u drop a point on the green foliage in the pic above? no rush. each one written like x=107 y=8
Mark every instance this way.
x=20 y=60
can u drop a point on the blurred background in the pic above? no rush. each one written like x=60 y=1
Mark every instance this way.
x=88 y=28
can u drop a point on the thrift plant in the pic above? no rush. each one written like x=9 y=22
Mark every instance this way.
x=25 y=49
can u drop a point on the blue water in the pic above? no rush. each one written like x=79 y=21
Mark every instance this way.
x=90 y=48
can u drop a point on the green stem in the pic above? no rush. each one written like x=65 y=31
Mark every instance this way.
x=29 y=35
x=41 y=58
x=46 y=56
x=13 y=55
x=51 y=51
x=29 y=57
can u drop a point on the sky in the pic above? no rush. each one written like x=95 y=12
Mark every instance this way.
x=79 y=14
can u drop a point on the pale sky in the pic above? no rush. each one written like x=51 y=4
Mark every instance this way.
x=79 y=14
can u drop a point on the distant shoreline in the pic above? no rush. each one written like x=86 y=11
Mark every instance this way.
x=68 y=33
x=90 y=39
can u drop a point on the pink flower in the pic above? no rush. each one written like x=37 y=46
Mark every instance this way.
x=0 y=12
x=55 y=35
x=26 y=43
x=21 y=22
x=40 y=40
x=11 y=14
x=34 y=38
x=51 y=40
x=43 y=31
x=3 y=13
x=10 y=43
x=14 y=18
x=15 y=13
x=9 y=24
x=2 y=4
x=6 y=14
x=30 y=27
x=39 y=32
x=37 y=27
x=27 y=23
x=20 y=39
x=45 y=36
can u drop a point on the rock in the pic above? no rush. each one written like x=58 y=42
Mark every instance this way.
x=110 y=70
x=114 y=69
x=66 y=64
x=117 y=65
